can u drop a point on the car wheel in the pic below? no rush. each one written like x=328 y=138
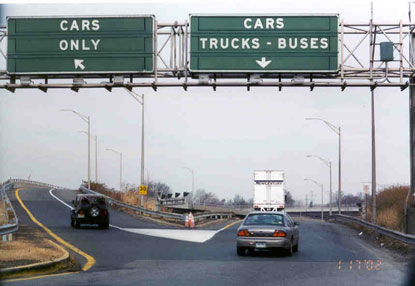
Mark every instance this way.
x=77 y=224
x=240 y=251
x=104 y=225
x=295 y=248
x=290 y=249
x=72 y=224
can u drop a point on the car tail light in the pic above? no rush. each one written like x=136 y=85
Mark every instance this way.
x=105 y=212
x=81 y=212
x=243 y=232
x=279 y=233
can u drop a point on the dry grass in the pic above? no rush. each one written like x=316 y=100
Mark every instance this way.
x=390 y=207
x=3 y=217
x=130 y=197
x=29 y=246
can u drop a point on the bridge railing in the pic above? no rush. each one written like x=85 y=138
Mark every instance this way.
x=12 y=224
x=34 y=183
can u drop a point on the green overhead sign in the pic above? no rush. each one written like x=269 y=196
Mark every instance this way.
x=263 y=43
x=80 y=45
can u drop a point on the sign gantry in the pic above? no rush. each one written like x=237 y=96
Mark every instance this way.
x=317 y=50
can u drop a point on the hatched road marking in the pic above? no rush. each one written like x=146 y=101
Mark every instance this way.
x=191 y=235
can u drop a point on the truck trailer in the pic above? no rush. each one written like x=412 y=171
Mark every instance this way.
x=269 y=193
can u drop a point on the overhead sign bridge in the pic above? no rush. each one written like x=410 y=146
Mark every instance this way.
x=309 y=50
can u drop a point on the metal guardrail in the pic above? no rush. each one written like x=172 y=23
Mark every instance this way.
x=407 y=238
x=12 y=223
x=164 y=215
x=35 y=183
x=135 y=208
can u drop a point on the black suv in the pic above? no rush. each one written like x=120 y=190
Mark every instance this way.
x=90 y=209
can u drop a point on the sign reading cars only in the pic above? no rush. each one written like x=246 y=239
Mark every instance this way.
x=77 y=45
x=274 y=43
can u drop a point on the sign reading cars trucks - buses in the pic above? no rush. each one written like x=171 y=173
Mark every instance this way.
x=263 y=43
x=269 y=193
x=77 y=45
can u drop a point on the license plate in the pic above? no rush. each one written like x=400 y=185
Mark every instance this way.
x=81 y=216
x=260 y=245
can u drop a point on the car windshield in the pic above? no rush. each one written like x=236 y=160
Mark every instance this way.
x=264 y=219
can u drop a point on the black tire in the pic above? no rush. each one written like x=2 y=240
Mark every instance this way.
x=77 y=224
x=104 y=225
x=289 y=251
x=72 y=224
x=240 y=251
x=295 y=248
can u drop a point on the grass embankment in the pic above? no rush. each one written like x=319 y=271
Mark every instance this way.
x=3 y=216
x=390 y=207
x=29 y=245
x=130 y=197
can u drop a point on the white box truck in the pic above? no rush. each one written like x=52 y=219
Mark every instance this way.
x=269 y=194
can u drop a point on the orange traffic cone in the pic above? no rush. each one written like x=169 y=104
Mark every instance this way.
x=186 y=221
x=191 y=220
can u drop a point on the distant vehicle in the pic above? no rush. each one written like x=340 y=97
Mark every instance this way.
x=267 y=230
x=90 y=209
x=269 y=194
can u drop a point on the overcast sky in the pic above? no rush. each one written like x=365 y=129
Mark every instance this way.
x=224 y=135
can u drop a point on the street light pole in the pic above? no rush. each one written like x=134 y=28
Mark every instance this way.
x=336 y=130
x=96 y=154
x=322 y=191
x=193 y=178
x=88 y=121
x=140 y=99
x=120 y=154
x=328 y=164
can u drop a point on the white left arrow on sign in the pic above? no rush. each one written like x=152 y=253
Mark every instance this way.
x=79 y=64
x=263 y=62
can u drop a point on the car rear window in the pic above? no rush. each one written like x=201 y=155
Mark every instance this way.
x=92 y=200
x=264 y=219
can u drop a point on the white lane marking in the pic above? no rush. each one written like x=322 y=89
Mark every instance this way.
x=192 y=235
x=50 y=192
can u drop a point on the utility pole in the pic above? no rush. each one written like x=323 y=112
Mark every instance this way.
x=410 y=220
x=373 y=160
x=96 y=159
x=372 y=93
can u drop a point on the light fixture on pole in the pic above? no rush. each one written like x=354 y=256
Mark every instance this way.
x=119 y=153
x=328 y=164
x=96 y=154
x=87 y=120
x=336 y=130
x=193 y=179
x=322 y=206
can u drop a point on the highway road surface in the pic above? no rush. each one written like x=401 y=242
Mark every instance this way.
x=140 y=252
